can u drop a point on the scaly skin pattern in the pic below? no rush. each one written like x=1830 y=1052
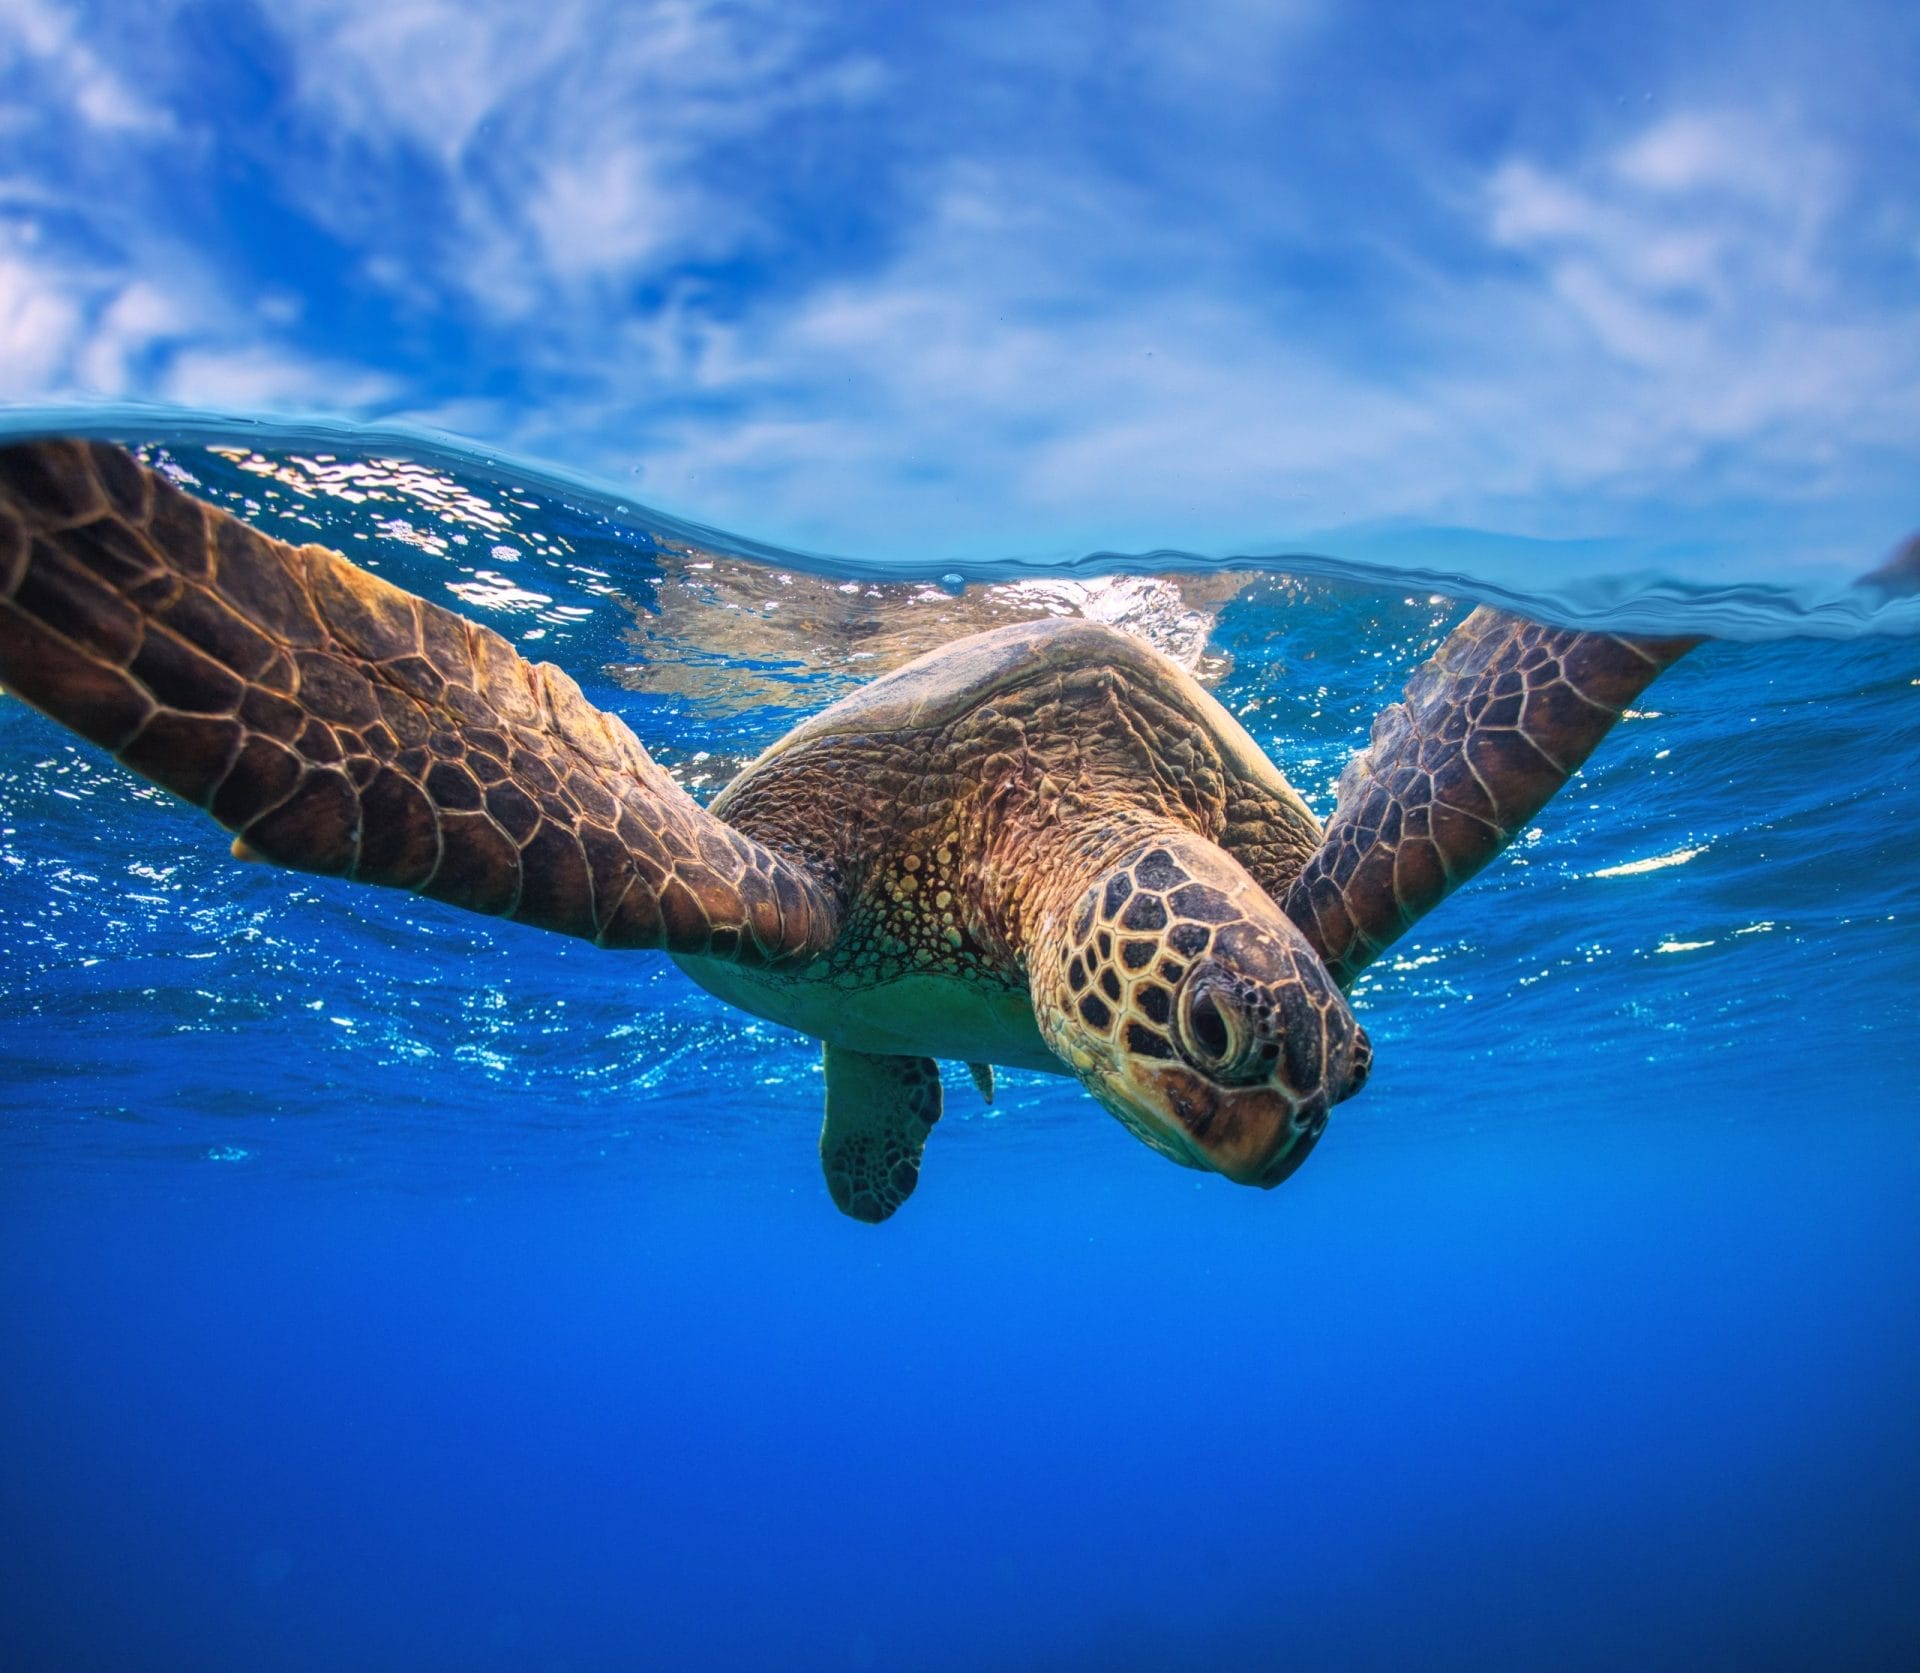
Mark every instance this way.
x=1194 y=1010
x=1488 y=730
x=945 y=840
x=339 y=725
x=872 y=1166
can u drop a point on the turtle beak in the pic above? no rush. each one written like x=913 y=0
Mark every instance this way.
x=1289 y=1134
x=1254 y=1135
x=1258 y=1135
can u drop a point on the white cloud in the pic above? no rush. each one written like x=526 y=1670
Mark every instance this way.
x=993 y=376
x=137 y=321
x=1716 y=207
x=39 y=324
x=565 y=137
x=605 y=212
x=1690 y=288
x=255 y=378
x=1672 y=325
x=47 y=41
x=1729 y=154
x=74 y=327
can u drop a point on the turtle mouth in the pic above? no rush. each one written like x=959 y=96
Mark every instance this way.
x=1121 y=1099
x=1268 y=1150
x=1251 y=1135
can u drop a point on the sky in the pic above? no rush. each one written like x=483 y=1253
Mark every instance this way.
x=1013 y=279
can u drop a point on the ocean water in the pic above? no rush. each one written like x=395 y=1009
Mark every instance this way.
x=387 y=1288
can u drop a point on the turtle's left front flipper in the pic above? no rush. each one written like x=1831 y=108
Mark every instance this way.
x=339 y=725
x=879 y=1113
x=1489 y=729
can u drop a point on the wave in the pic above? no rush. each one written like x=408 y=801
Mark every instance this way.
x=1619 y=584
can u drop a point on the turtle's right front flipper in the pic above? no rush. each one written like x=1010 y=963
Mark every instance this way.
x=1490 y=727
x=342 y=726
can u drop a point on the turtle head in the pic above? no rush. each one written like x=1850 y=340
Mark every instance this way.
x=1195 y=1011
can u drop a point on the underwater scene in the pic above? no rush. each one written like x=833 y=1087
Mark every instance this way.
x=386 y=1286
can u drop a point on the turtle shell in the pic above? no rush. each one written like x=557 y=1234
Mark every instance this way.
x=933 y=690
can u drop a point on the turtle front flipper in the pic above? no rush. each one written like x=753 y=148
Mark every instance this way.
x=339 y=725
x=1490 y=727
x=879 y=1112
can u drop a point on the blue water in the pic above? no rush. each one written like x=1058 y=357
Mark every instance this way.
x=382 y=1287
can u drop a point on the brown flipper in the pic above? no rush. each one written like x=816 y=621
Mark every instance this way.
x=339 y=725
x=879 y=1112
x=1490 y=727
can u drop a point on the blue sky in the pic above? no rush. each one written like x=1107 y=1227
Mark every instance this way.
x=1004 y=279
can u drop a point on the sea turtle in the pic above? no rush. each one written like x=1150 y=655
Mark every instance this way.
x=1043 y=846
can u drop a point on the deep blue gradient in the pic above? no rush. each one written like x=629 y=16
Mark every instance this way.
x=386 y=1288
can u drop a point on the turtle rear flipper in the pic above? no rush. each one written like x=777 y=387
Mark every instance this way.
x=339 y=725
x=1489 y=729
x=879 y=1112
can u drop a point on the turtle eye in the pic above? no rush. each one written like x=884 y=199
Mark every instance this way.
x=1216 y=1036
x=1209 y=1027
